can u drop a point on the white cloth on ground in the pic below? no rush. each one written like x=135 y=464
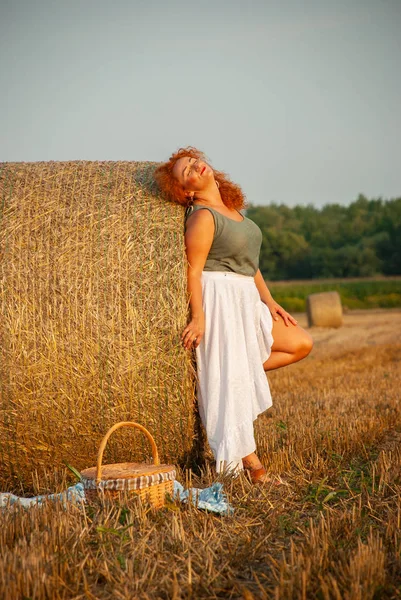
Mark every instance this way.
x=232 y=385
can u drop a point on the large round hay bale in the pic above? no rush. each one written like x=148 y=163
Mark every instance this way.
x=93 y=300
x=324 y=310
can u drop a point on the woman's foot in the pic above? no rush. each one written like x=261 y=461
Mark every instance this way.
x=257 y=473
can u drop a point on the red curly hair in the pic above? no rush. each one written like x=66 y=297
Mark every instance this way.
x=231 y=193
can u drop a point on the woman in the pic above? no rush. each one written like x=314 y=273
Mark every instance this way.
x=235 y=326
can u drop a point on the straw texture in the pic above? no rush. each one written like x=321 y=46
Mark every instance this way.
x=93 y=300
x=324 y=310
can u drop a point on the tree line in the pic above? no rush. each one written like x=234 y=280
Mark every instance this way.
x=304 y=242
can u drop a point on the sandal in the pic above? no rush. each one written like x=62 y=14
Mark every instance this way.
x=259 y=476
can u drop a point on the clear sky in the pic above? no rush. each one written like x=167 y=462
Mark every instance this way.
x=300 y=102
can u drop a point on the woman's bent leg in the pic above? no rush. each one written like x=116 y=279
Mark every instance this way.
x=291 y=344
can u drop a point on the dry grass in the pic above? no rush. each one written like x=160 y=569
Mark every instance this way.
x=92 y=298
x=334 y=533
x=92 y=303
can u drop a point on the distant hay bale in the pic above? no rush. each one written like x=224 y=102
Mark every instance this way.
x=324 y=310
x=93 y=301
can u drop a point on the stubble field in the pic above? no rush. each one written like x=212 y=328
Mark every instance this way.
x=333 y=433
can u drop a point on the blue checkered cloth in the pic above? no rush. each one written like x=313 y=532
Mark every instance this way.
x=212 y=499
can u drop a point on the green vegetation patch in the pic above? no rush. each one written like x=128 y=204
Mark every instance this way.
x=379 y=293
x=305 y=242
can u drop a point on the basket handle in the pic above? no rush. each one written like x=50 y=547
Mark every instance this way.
x=104 y=441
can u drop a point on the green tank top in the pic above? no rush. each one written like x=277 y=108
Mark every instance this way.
x=236 y=244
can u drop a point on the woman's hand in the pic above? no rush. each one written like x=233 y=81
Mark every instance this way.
x=193 y=332
x=276 y=310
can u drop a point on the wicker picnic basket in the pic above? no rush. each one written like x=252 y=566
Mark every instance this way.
x=151 y=482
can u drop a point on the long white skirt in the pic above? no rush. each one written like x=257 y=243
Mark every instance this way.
x=232 y=385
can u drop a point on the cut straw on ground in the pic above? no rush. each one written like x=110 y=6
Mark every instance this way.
x=333 y=532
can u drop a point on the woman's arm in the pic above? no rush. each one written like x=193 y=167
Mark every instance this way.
x=263 y=290
x=198 y=240
x=272 y=305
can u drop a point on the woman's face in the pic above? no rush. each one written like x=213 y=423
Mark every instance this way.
x=193 y=174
